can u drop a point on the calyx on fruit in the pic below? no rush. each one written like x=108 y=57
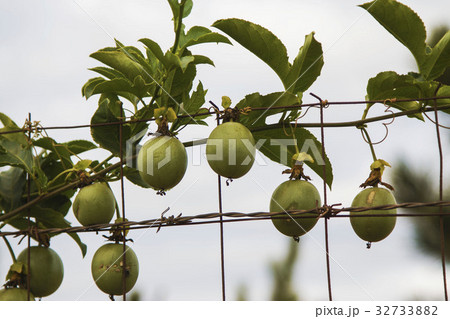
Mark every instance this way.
x=376 y=173
x=162 y=162
x=107 y=269
x=296 y=170
x=46 y=269
x=94 y=204
x=295 y=195
x=373 y=229
x=230 y=150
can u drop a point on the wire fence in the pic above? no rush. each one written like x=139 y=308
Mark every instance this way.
x=325 y=212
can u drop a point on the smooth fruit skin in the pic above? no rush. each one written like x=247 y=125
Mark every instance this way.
x=230 y=150
x=162 y=162
x=107 y=268
x=15 y=294
x=373 y=229
x=295 y=195
x=94 y=204
x=47 y=270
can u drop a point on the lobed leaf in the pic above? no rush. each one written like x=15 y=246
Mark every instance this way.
x=258 y=40
x=280 y=148
x=403 y=23
x=306 y=67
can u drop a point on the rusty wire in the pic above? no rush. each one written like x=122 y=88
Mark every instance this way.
x=332 y=124
x=326 y=211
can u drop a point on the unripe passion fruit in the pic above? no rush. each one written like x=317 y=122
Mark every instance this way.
x=162 y=162
x=15 y=294
x=94 y=204
x=295 y=195
x=47 y=270
x=230 y=150
x=107 y=269
x=373 y=229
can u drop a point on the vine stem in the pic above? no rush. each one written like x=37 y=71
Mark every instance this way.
x=103 y=162
x=372 y=150
x=178 y=24
x=11 y=251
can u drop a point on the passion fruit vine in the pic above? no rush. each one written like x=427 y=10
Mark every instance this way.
x=94 y=204
x=107 y=268
x=46 y=270
x=295 y=195
x=373 y=229
x=162 y=162
x=230 y=150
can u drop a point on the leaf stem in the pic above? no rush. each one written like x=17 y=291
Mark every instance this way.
x=11 y=251
x=366 y=111
x=372 y=150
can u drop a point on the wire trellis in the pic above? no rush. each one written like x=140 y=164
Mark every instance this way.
x=325 y=212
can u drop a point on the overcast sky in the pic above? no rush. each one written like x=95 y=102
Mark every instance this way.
x=44 y=61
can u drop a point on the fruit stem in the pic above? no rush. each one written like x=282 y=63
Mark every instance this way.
x=372 y=150
x=117 y=209
x=11 y=251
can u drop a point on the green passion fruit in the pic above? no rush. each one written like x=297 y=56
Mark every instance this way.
x=94 y=204
x=47 y=270
x=107 y=269
x=162 y=162
x=15 y=294
x=230 y=150
x=373 y=229
x=295 y=195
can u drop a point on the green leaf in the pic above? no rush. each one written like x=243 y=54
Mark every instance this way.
x=108 y=72
x=192 y=106
x=175 y=6
x=280 y=148
x=12 y=186
x=15 y=154
x=120 y=61
x=50 y=144
x=79 y=146
x=390 y=85
x=201 y=59
x=258 y=40
x=403 y=23
x=133 y=176
x=184 y=62
x=156 y=50
x=108 y=136
x=443 y=91
x=88 y=88
x=306 y=67
x=256 y=100
x=9 y=125
x=439 y=59
x=197 y=35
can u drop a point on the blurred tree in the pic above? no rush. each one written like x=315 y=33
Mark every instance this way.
x=412 y=185
x=282 y=272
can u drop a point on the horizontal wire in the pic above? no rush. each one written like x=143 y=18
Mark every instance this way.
x=211 y=218
x=333 y=124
